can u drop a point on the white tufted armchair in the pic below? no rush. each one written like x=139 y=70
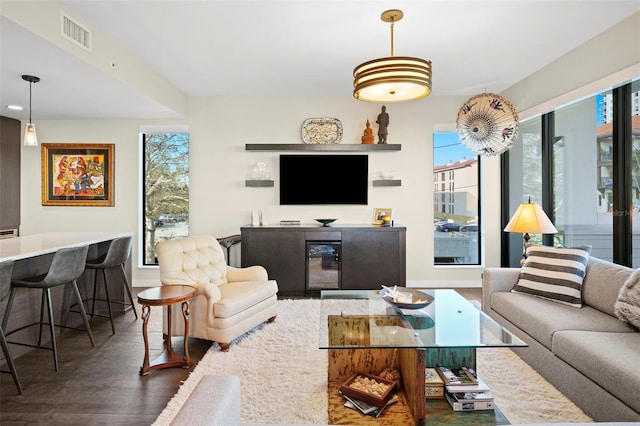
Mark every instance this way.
x=228 y=302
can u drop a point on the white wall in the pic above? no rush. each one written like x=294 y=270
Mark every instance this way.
x=220 y=204
x=220 y=126
x=610 y=59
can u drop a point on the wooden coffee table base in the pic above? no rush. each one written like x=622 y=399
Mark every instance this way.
x=166 y=296
x=411 y=408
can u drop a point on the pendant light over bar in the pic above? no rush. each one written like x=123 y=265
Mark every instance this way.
x=30 y=137
x=392 y=79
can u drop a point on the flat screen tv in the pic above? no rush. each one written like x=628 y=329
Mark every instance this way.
x=324 y=179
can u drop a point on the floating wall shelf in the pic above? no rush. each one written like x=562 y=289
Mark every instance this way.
x=258 y=183
x=321 y=147
x=387 y=182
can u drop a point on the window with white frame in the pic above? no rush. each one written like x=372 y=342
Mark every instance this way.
x=165 y=185
x=456 y=209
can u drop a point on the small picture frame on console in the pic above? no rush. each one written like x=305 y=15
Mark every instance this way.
x=382 y=216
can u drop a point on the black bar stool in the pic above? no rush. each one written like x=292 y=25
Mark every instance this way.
x=6 y=268
x=116 y=256
x=66 y=267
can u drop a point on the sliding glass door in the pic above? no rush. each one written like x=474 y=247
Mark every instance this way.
x=583 y=175
x=524 y=181
x=634 y=187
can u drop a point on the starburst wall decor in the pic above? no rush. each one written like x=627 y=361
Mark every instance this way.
x=487 y=124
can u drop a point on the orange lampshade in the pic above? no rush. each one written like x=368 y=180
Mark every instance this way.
x=530 y=218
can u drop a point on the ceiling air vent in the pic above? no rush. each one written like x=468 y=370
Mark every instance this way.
x=72 y=30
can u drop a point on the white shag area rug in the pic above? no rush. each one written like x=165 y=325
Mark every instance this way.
x=530 y=400
x=283 y=376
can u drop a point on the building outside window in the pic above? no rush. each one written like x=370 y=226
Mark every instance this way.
x=456 y=209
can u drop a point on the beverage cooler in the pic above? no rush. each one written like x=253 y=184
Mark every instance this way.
x=323 y=265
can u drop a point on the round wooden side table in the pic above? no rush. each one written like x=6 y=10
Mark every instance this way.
x=166 y=295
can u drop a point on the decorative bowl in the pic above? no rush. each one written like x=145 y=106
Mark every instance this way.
x=419 y=299
x=325 y=222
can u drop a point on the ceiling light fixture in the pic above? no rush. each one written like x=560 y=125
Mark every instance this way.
x=392 y=79
x=30 y=137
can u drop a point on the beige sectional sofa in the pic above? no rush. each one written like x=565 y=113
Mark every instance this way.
x=587 y=353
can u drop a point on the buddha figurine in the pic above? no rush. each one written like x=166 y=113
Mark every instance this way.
x=367 y=137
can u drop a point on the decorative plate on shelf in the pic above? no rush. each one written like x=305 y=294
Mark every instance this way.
x=321 y=130
x=418 y=299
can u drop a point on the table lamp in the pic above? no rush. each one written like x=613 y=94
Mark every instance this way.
x=530 y=218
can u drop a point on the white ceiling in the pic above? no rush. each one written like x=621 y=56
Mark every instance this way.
x=295 y=47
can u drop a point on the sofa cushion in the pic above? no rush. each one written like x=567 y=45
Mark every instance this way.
x=541 y=318
x=554 y=274
x=609 y=359
x=627 y=307
x=602 y=284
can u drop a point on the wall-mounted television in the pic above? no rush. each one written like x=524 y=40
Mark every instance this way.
x=324 y=179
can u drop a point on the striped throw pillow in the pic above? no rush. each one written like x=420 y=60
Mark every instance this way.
x=554 y=273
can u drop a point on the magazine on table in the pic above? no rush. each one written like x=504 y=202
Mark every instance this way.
x=471 y=396
x=363 y=407
x=457 y=376
x=468 y=406
x=480 y=386
x=366 y=408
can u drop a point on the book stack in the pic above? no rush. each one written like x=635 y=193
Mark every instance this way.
x=289 y=222
x=433 y=384
x=366 y=408
x=464 y=390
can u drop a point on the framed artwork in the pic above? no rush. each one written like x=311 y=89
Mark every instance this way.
x=379 y=216
x=77 y=174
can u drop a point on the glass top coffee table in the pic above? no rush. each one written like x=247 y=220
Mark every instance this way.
x=364 y=333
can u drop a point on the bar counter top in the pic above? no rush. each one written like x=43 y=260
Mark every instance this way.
x=49 y=242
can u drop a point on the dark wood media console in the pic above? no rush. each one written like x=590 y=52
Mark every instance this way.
x=370 y=255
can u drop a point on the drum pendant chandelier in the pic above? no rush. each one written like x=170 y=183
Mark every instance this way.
x=392 y=79
x=487 y=124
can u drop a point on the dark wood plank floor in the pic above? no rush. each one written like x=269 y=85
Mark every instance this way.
x=96 y=386
x=101 y=385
